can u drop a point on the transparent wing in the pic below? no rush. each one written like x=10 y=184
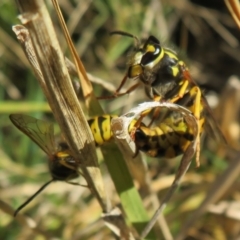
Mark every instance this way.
x=211 y=124
x=42 y=133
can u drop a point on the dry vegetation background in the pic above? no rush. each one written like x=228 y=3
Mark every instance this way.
x=207 y=39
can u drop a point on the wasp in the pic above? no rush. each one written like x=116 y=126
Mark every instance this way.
x=168 y=139
x=167 y=78
x=62 y=165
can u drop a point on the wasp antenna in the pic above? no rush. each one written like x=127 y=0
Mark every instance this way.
x=32 y=197
x=119 y=32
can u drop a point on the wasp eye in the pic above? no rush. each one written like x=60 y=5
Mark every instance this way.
x=150 y=56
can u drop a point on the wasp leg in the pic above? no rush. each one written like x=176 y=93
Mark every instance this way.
x=76 y=184
x=182 y=68
x=181 y=92
x=117 y=94
x=196 y=109
x=156 y=113
x=122 y=83
x=195 y=92
x=138 y=123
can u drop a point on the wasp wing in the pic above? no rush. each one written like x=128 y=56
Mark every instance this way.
x=42 y=133
x=211 y=124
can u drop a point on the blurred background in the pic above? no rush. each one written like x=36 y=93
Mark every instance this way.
x=207 y=39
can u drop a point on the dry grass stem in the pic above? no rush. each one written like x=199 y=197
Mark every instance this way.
x=57 y=86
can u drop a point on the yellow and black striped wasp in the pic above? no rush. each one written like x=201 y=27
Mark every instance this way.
x=168 y=139
x=167 y=78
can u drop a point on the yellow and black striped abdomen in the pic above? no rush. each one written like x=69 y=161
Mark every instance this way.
x=169 y=139
x=101 y=128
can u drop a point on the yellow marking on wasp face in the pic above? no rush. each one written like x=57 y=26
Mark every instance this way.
x=135 y=71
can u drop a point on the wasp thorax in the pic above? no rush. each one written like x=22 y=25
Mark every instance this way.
x=63 y=167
